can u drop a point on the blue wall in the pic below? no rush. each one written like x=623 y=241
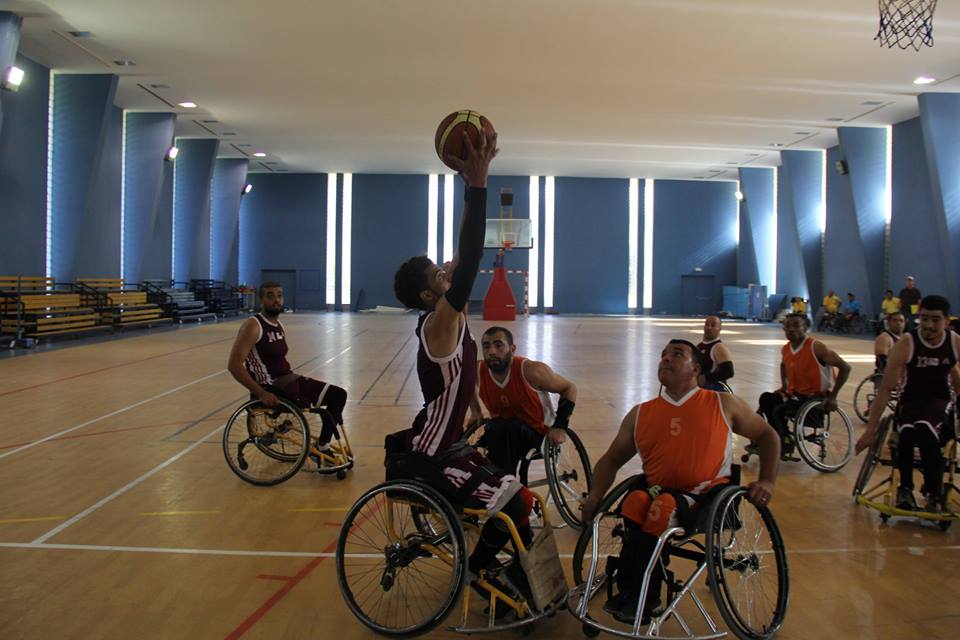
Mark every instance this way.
x=23 y=174
x=283 y=225
x=757 y=221
x=191 y=208
x=791 y=275
x=229 y=178
x=694 y=226
x=799 y=234
x=10 y=24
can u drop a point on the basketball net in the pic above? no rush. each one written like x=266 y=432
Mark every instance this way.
x=906 y=23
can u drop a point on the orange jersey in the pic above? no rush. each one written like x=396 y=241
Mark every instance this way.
x=515 y=398
x=806 y=376
x=686 y=445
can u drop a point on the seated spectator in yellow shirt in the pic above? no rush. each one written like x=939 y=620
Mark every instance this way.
x=832 y=302
x=798 y=305
x=889 y=304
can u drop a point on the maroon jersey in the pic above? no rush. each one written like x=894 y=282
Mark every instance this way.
x=448 y=385
x=706 y=354
x=267 y=361
x=928 y=368
x=892 y=335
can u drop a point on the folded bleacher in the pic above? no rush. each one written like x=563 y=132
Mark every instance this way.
x=220 y=297
x=120 y=305
x=177 y=301
x=38 y=306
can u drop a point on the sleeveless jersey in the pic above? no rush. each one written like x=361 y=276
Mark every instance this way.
x=685 y=445
x=926 y=377
x=892 y=335
x=806 y=376
x=448 y=386
x=267 y=361
x=515 y=397
x=706 y=350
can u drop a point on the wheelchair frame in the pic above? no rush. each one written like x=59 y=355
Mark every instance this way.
x=674 y=541
x=875 y=379
x=467 y=519
x=805 y=444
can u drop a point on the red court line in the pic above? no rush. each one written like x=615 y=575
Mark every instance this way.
x=109 y=431
x=113 y=366
x=264 y=576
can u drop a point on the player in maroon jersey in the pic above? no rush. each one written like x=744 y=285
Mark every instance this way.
x=258 y=361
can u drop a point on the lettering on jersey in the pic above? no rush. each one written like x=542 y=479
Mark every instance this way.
x=274 y=336
x=926 y=361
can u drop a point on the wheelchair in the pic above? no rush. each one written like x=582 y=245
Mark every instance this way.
x=823 y=439
x=882 y=496
x=567 y=473
x=741 y=552
x=866 y=392
x=402 y=559
x=268 y=445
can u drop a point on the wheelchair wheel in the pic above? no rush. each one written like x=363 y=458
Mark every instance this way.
x=569 y=476
x=399 y=577
x=610 y=538
x=266 y=445
x=824 y=440
x=864 y=395
x=747 y=565
x=873 y=457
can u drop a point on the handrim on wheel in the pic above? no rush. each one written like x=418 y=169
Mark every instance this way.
x=266 y=445
x=824 y=439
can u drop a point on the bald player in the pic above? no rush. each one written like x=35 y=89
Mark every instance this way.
x=716 y=359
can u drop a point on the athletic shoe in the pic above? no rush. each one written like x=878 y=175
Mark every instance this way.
x=905 y=499
x=623 y=608
x=932 y=504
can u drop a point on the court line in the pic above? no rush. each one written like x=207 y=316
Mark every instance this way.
x=109 y=415
x=106 y=432
x=384 y=370
x=113 y=366
x=122 y=490
x=177 y=513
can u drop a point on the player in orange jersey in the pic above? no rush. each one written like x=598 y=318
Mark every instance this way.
x=806 y=372
x=516 y=391
x=685 y=439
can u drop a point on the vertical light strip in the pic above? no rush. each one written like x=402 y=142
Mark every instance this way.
x=773 y=232
x=648 y=243
x=534 y=268
x=432 y=189
x=331 y=294
x=633 y=223
x=123 y=191
x=888 y=192
x=48 y=258
x=173 y=223
x=448 y=217
x=345 y=249
x=823 y=192
x=548 y=206
x=736 y=228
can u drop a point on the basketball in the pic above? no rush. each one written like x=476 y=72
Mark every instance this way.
x=449 y=138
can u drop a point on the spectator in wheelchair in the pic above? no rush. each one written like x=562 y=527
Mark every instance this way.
x=806 y=372
x=684 y=439
x=830 y=310
x=924 y=366
x=446 y=369
x=516 y=391
x=715 y=357
x=891 y=334
x=258 y=361
x=851 y=310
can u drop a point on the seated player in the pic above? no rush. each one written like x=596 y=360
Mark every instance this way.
x=446 y=354
x=924 y=364
x=515 y=390
x=806 y=372
x=717 y=363
x=684 y=439
x=891 y=333
x=258 y=361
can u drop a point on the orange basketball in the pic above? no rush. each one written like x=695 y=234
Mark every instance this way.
x=449 y=138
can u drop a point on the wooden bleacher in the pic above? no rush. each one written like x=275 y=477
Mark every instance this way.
x=119 y=304
x=37 y=306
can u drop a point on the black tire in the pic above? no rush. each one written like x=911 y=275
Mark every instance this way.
x=824 y=439
x=864 y=395
x=611 y=535
x=734 y=549
x=570 y=477
x=873 y=457
x=366 y=551
x=266 y=445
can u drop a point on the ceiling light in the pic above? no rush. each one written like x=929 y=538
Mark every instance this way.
x=698 y=177
x=159 y=86
x=12 y=79
x=187 y=105
x=776 y=144
x=125 y=62
x=246 y=189
x=801 y=133
x=259 y=154
x=738 y=195
x=80 y=34
x=171 y=154
x=834 y=119
x=924 y=80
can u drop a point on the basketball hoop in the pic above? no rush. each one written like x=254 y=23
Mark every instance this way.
x=906 y=23
x=508 y=245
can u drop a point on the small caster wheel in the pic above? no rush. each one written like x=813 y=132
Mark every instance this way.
x=944 y=525
x=884 y=517
x=745 y=457
x=590 y=631
x=341 y=474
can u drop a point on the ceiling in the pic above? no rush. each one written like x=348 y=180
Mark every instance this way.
x=680 y=89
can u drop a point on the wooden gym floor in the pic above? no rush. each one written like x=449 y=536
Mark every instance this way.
x=121 y=519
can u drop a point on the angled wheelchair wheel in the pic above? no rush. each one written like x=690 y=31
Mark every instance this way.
x=569 y=476
x=824 y=439
x=746 y=565
x=873 y=457
x=609 y=537
x=864 y=395
x=401 y=558
x=266 y=445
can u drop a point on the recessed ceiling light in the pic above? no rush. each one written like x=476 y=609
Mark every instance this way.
x=698 y=177
x=13 y=79
x=834 y=119
x=776 y=144
x=229 y=133
x=733 y=163
x=271 y=163
x=187 y=105
x=159 y=86
x=259 y=154
x=924 y=80
x=872 y=103
x=754 y=155
x=125 y=62
x=801 y=133
x=80 y=34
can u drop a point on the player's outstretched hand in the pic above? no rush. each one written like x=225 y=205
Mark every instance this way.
x=474 y=168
